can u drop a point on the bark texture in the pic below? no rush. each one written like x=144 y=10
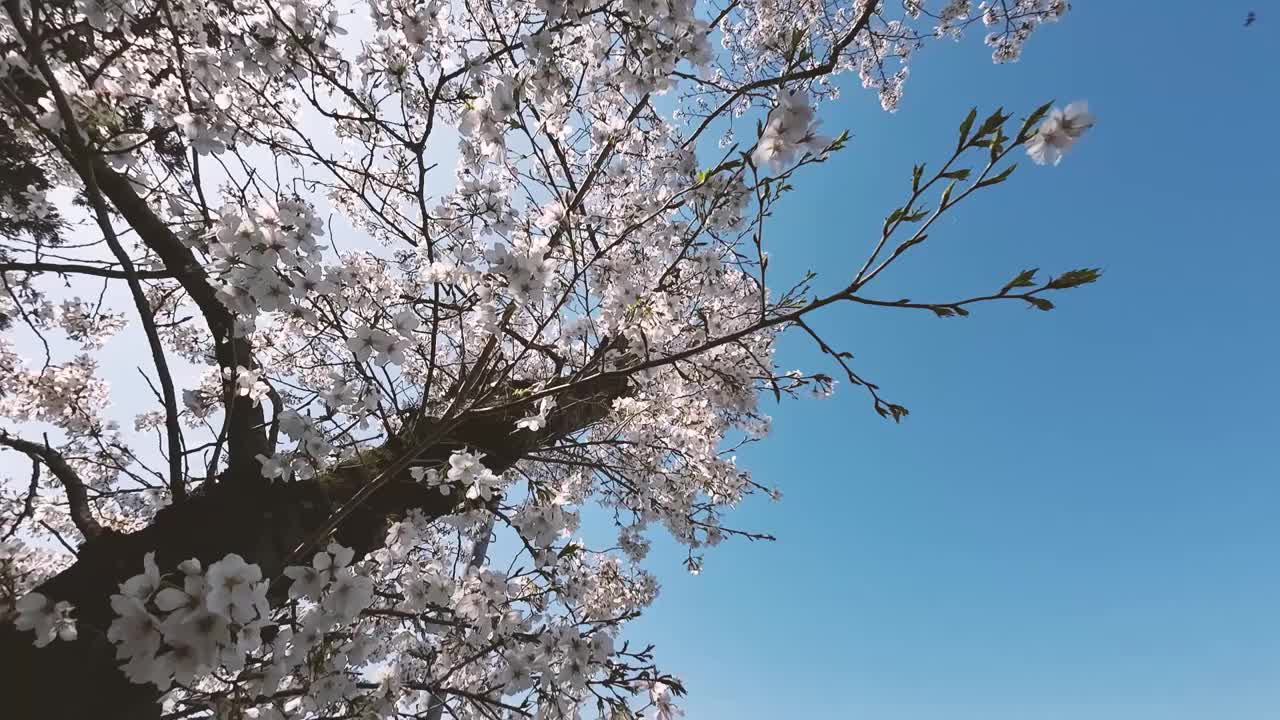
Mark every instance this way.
x=261 y=521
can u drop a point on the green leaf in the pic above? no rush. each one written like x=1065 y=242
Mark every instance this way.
x=993 y=121
x=997 y=179
x=887 y=409
x=1024 y=279
x=997 y=144
x=1040 y=303
x=965 y=127
x=916 y=216
x=917 y=172
x=946 y=311
x=962 y=174
x=1075 y=278
x=946 y=194
x=1034 y=118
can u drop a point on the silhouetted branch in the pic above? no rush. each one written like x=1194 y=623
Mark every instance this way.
x=78 y=498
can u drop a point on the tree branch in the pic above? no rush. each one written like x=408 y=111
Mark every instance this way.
x=77 y=497
x=266 y=524
x=833 y=57
x=246 y=436
x=28 y=507
x=83 y=159
x=75 y=269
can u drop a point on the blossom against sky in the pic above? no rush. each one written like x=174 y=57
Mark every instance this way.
x=1078 y=519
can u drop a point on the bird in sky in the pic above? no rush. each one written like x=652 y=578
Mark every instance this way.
x=1250 y=19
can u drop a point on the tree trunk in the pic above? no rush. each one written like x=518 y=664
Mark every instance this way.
x=261 y=521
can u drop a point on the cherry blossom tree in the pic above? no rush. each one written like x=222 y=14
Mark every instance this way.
x=414 y=284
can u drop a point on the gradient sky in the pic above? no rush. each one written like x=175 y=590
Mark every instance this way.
x=1079 y=518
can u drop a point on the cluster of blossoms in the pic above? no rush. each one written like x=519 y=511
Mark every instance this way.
x=169 y=629
x=312 y=450
x=206 y=397
x=31 y=202
x=951 y=16
x=87 y=324
x=1019 y=19
x=331 y=582
x=181 y=629
x=385 y=346
x=485 y=202
x=69 y=396
x=466 y=472
x=542 y=525
x=268 y=259
x=46 y=618
x=165 y=632
x=525 y=267
x=791 y=129
x=486 y=120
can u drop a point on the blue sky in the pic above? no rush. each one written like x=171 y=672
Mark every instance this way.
x=1079 y=518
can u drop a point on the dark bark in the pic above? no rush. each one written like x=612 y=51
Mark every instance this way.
x=245 y=437
x=77 y=496
x=263 y=522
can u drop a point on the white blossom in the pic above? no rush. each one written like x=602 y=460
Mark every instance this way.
x=790 y=130
x=1060 y=130
x=236 y=590
x=49 y=620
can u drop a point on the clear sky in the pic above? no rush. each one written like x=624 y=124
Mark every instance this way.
x=1081 y=517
